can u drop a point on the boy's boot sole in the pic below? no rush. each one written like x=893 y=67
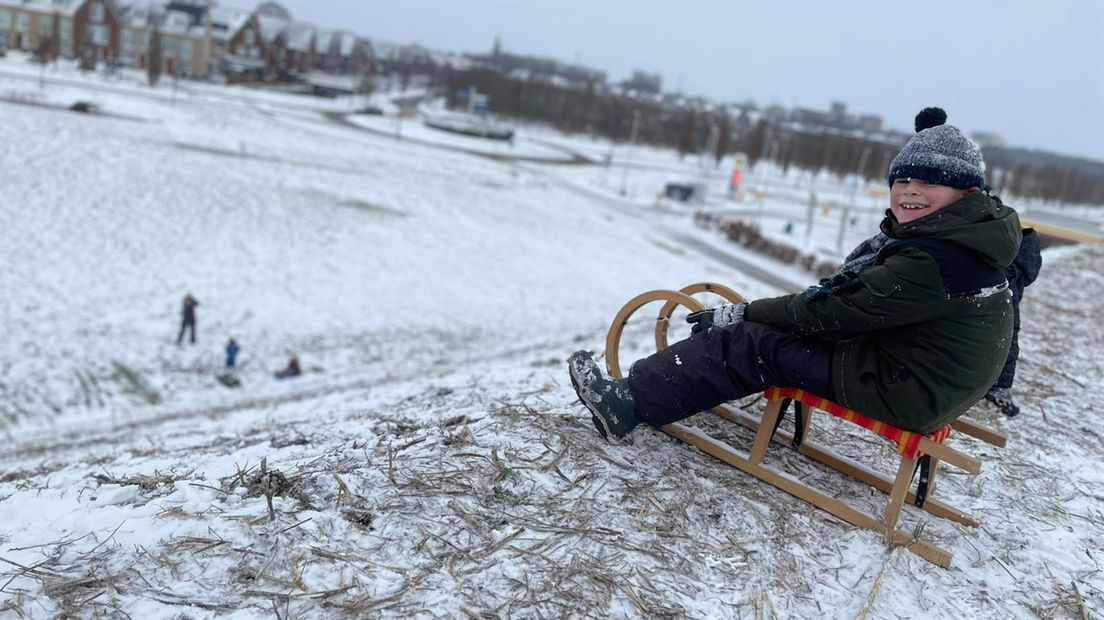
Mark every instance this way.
x=598 y=421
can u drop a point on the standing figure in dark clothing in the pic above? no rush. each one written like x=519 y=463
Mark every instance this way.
x=232 y=349
x=187 y=318
x=1020 y=274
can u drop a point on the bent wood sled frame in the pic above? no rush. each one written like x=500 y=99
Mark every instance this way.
x=898 y=488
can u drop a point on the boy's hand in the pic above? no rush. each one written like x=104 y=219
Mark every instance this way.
x=721 y=316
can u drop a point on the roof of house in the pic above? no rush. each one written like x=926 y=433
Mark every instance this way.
x=226 y=21
x=180 y=23
x=346 y=43
x=145 y=14
x=136 y=15
x=299 y=36
x=342 y=40
x=322 y=40
x=61 y=7
x=270 y=27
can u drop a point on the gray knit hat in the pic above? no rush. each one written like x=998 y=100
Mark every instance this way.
x=939 y=154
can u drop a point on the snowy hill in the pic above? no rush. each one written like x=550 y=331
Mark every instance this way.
x=432 y=462
x=295 y=234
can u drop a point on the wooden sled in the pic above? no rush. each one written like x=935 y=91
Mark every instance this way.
x=912 y=447
x=228 y=379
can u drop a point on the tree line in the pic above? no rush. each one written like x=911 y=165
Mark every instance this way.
x=591 y=107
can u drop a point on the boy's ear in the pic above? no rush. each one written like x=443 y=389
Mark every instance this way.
x=970 y=190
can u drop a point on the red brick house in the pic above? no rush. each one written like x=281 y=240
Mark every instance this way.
x=96 y=30
x=247 y=54
x=83 y=28
x=342 y=52
x=299 y=51
x=271 y=30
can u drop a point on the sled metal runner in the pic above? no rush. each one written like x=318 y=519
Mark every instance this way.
x=897 y=488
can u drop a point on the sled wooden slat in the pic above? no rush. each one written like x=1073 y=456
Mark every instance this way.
x=794 y=487
x=846 y=466
x=945 y=453
x=978 y=431
x=933 y=469
x=898 y=489
x=897 y=493
x=910 y=446
x=762 y=439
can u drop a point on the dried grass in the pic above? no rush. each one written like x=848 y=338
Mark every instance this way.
x=511 y=507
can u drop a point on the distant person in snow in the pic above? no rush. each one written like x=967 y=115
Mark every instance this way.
x=292 y=369
x=734 y=182
x=231 y=354
x=187 y=318
x=912 y=335
x=1021 y=273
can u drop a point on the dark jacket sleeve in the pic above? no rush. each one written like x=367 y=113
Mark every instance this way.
x=1029 y=260
x=906 y=288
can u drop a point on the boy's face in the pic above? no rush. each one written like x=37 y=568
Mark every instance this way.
x=912 y=199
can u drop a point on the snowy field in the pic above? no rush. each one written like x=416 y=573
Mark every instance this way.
x=432 y=460
x=297 y=235
x=415 y=130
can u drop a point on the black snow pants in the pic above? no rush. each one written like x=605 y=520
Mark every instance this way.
x=1008 y=373
x=723 y=364
x=1021 y=273
x=184 y=325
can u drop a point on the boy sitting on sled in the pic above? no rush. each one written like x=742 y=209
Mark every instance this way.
x=914 y=338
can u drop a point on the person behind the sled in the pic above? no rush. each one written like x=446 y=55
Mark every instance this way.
x=914 y=338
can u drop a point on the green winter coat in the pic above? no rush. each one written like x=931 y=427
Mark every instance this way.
x=920 y=335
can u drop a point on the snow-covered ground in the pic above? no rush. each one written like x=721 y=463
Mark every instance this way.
x=432 y=461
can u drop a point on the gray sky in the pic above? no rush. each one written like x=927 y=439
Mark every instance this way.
x=1032 y=72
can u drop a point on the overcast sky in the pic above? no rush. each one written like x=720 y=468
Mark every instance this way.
x=1032 y=72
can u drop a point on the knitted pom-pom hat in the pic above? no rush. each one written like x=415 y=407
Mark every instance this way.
x=939 y=154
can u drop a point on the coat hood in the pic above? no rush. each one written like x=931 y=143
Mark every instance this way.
x=988 y=228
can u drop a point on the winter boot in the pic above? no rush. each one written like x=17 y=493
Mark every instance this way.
x=1002 y=398
x=609 y=400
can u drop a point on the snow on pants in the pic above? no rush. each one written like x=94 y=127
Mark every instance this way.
x=722 y=364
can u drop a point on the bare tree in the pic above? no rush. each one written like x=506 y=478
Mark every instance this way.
x=686 y=134
x=365 y=84
x=153 y=56
x=48 y=46
x=48 y=49
x=724 y=142
x=756 y=141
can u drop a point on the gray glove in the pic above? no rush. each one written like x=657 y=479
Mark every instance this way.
x=721 y=316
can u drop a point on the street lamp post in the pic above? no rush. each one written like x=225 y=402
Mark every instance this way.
x=850 y=203
x=628 y=151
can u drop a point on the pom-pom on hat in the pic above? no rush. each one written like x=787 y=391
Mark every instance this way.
x=939 y=154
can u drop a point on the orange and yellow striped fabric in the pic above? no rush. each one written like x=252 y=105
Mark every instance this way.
x=907 y=441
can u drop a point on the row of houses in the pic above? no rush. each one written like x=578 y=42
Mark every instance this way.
x=86 y=27
x=197 y=38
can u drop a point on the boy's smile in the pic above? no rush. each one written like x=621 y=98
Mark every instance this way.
x=912 y=199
